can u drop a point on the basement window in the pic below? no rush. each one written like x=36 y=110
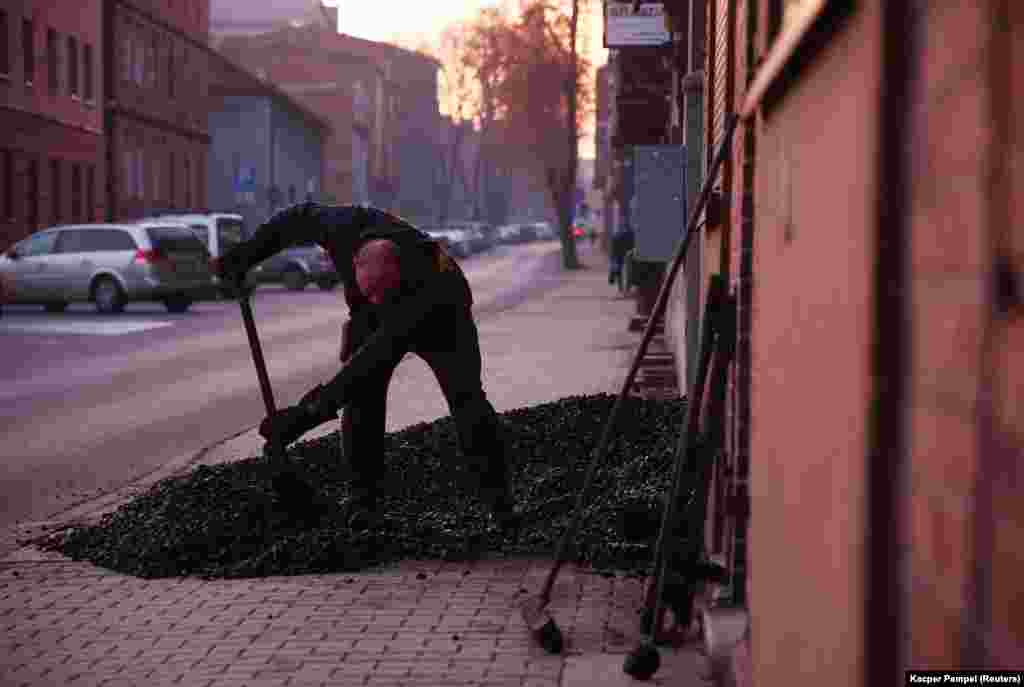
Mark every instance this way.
x=797 y=29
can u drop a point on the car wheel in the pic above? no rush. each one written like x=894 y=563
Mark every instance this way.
x=327 y=284
x=56 y=307
x=177 y=304
x=108 y=296
x=294 y=279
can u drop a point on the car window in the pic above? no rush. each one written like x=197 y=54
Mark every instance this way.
x=72 y=241
x=41 y=244
x=202 y=232
x=111 y=239
x=175 y=240
x=230 y=232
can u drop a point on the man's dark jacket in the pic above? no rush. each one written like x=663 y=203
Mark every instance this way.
x=429 y=276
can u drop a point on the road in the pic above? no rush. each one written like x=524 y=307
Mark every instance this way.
x=89 y=403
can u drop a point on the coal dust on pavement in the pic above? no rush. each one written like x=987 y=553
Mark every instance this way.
x=228 y=520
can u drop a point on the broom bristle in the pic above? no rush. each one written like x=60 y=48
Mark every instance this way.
x=550 y=637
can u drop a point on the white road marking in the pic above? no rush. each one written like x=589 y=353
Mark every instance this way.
x=104 y=328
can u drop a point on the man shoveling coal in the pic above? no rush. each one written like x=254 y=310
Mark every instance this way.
x=405 y=294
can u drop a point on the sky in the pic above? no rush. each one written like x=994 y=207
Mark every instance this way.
x=416 y=21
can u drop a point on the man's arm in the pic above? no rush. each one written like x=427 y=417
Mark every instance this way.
x=298 y=224
x=376 y=351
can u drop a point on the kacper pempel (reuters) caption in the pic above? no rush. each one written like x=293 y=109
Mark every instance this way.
x=964 y=677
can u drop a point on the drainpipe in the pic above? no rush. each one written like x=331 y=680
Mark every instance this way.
x=1005 y=304
x=887 y=459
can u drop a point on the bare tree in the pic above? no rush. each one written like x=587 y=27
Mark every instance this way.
x=543 y=92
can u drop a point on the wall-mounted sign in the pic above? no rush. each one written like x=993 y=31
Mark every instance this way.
x=624 y=27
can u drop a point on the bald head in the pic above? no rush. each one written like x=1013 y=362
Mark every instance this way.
x=377 y=269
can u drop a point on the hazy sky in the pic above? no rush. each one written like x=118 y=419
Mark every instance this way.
x=415 y=21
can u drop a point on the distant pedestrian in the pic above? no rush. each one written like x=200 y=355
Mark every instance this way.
x=405 y=294
x=622 y=242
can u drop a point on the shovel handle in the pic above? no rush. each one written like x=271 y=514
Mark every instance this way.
x=272 y=450
x=257 y=352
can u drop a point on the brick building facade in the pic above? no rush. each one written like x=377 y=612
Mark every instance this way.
x=52 y=153
x=156 y=126
x=870 y=235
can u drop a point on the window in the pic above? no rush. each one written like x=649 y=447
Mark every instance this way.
x=126 y=59
x=140 y=176
x=37 y=245
x=171 y=176
x=170 y=71
x=51 y=59
x=32 y=193
x=28 y=49
x=7 y=184
x=155 y=189
x=138 y=61
x=90 y=193
x=87 y=72
x=111 y=239
x=55 y=199
x=188 y=183
x=5 y=53
x=76 y=192
x=71 y=242
x=72 y=66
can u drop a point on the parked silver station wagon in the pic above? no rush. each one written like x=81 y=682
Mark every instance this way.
x=110 y=265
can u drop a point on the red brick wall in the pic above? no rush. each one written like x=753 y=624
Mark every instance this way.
x=967 y=193
x=159 y=84
x=814 y=204
x=191 y=17
x=40 y=125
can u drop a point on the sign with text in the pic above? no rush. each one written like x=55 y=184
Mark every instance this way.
x=646 y=26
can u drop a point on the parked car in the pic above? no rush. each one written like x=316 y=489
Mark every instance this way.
x=458 y=243
x=109 y=265
x=510 y=233
x=545 y=231
x=220 y=231
x=297 y=268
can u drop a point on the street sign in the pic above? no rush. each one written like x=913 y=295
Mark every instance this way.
x=645 y=27
x=658 y=212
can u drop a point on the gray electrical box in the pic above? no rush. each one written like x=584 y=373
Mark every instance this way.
x=658 y=212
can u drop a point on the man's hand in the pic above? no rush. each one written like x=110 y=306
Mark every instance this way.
x=287 y=425
x=231 y=270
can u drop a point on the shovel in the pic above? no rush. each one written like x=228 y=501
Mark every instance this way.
x=290 y=488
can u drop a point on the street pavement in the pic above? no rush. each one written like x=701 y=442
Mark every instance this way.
x=419 y=623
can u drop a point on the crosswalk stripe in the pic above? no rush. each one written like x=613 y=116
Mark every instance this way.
x=86 y=328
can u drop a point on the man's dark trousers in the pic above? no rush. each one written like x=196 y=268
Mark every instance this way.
x=448 y=341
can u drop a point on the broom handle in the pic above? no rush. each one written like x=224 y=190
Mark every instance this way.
x=687 y=440
x=659 y=308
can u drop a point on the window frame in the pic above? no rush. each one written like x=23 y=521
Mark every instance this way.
x=57 y=211
x=53 y=60
x=71 y=48
x=88 y=91
x=7 y=164
x=32 y=192
x=28 y=50
x=796 y=30
x=5 y=50
x=76 y=192
x=90 y=192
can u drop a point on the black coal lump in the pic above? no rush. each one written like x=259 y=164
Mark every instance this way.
x=228 y=520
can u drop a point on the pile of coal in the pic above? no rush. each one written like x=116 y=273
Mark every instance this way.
x=231 y=520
